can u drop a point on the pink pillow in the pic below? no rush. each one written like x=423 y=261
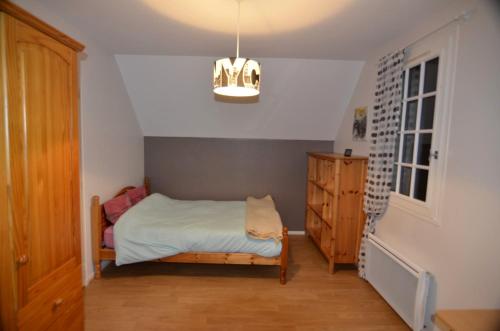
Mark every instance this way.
x=114 y=208
x=136 y=194
x=108 y=237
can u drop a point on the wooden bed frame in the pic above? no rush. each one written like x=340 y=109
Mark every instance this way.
x=101 y=253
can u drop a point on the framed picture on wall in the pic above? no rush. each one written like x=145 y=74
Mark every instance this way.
x=359 y=124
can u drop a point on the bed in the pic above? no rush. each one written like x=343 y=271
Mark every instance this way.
x=249 y=252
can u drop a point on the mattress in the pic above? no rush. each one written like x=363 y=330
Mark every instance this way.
x=159 y=226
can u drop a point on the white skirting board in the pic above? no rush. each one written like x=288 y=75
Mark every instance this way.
x=403 y=284
x=296 y=233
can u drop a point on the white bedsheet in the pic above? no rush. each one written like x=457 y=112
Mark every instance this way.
x=159 y=227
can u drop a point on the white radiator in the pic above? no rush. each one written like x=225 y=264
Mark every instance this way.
x=401 y=283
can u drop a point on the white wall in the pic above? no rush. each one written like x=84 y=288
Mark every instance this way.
x=463 y=251
x=300 y=99
x=112 y=147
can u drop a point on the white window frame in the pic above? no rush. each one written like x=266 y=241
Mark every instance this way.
x=444 y=46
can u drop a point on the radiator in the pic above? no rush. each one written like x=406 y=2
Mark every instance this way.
x=401 y=283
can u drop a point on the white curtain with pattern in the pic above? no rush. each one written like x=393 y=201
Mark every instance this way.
x=385 y=123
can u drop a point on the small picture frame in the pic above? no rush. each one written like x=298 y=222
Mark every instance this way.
x=348 y=152
x=359 y=124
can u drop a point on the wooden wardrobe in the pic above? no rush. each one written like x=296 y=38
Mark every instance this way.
x=41 y=274
x=334 y=213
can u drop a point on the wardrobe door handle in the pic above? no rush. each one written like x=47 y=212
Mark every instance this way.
x=23 y=259
x=57 y=303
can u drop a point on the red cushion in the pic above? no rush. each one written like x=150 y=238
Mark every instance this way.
x=114 y=208
x=136 y=194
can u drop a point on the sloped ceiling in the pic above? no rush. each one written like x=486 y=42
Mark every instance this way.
x=320 y=29
x=300 y=99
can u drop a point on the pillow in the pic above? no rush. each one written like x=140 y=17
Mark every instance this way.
x=108 y=237
x=114 y=208
x=136 y=194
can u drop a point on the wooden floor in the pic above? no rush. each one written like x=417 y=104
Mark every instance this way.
x=154 y=296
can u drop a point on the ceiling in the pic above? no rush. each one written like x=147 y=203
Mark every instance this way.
x=321 y=29
x=299 y=99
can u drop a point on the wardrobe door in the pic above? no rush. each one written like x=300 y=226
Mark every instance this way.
x=43 y=141
x=7 y=267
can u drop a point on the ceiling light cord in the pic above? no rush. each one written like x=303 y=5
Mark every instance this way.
x=238 y=32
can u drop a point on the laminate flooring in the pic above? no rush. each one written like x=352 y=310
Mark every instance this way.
x=163 y=296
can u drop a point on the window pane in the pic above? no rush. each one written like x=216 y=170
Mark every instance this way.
x=403 y=77
x=408 y=141
x=427 y=116
x=420 y=190
x=405 y=181
x=431 y=75
x=413 y=81
x=411 y=115
x=396 y=151
x=424 y=148
x=394 y=177
x=400 y=118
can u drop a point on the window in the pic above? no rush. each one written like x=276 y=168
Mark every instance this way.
x=414 y=141
x=421 y=156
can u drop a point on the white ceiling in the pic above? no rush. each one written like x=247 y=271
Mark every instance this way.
x=300 y=99
x=321 y=29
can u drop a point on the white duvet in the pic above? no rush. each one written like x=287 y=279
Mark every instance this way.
x=159 y=227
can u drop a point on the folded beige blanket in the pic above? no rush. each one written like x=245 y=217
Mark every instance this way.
x=262 y=219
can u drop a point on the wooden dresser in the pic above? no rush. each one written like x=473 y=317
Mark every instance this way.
x=41 y=274
x=334 y=213
x=468 y=320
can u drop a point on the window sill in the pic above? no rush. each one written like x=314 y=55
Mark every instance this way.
x=415 y=208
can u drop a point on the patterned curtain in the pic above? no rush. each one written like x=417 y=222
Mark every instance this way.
x=384 y=129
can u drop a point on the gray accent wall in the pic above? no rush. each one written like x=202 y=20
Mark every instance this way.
x=232 y=169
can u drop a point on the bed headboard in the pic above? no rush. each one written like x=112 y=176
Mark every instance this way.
x=99 y=221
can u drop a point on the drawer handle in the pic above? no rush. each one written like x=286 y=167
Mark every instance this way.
x=57 y=303
x=23 y=259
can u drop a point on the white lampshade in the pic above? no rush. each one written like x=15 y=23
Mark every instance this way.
x=236 y=77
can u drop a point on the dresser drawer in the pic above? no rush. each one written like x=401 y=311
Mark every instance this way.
x=71 y=319
x=62 y=296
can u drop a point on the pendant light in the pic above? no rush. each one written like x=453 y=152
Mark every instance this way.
x=237 y=76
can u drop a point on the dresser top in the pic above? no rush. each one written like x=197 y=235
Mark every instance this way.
x=468 y=320
x=334 y=156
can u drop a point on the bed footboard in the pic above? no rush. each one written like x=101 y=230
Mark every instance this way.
x=284 y=256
